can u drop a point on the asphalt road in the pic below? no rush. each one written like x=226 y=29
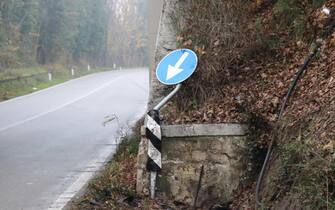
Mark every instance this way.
x=52 y=141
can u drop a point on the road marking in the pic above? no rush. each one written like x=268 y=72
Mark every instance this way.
x=106 y=154
x=80 y=179
x=175 y=70
x=83 y=178
x=59 y=107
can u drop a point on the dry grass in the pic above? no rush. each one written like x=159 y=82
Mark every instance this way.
x=218 y=32
x=305 y=164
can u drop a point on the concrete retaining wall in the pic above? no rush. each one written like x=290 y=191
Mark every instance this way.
x=185 y=149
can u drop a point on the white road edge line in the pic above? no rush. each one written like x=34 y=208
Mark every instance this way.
x=59 y=107
x=83 y=178
x=97 y=164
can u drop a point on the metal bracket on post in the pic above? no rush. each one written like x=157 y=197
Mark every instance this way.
x=154 y=136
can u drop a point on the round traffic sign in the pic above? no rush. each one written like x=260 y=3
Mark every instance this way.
x=177 y=66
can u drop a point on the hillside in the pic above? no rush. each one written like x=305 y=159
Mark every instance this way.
x=248 y=60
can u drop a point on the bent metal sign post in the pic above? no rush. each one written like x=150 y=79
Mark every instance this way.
x=174 y=68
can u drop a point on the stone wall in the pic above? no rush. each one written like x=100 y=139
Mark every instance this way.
x=185 y=149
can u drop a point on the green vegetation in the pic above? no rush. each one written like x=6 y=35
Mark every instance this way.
x=72 y=32
x=24 y=81
x=38 y=36
x=292 y=14
x=305 y=172
x=49 y=32
x=21 y=72
x=302 y=171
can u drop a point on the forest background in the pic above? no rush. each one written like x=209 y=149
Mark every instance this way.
x=68 y=33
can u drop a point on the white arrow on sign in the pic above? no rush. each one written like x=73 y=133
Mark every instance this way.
x=174 y=70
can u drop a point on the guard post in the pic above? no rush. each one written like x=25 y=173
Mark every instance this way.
x=174 y=68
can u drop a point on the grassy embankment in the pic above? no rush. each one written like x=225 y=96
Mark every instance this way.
x=22 y=81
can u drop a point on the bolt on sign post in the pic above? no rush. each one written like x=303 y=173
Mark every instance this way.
x=174 y=68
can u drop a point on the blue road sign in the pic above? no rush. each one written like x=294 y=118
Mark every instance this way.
x=177 y=67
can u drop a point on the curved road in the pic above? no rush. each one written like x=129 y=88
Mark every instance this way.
x=52 y=141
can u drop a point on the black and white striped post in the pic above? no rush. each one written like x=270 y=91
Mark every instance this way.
x=154 y=135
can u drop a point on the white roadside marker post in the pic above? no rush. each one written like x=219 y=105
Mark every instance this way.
x=50 y=76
